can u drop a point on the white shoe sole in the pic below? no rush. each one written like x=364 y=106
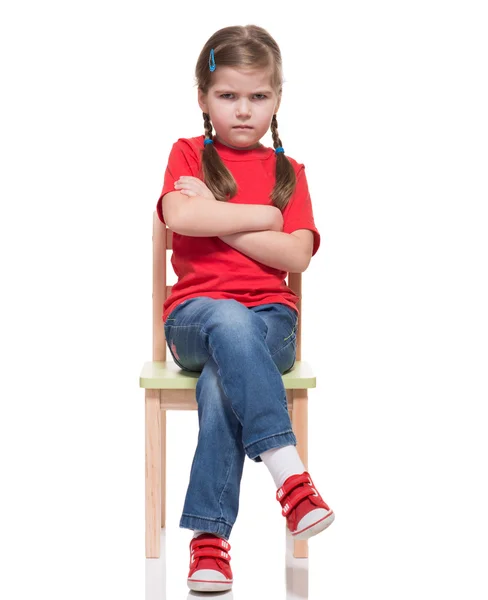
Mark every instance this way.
x=314 y=528
x=208 y=580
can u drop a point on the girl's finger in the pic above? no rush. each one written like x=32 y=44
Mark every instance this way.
x=188 y=184
x=187 y=178
x=191 y=181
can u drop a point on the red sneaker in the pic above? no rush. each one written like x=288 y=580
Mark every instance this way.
x=209 y=564
x=305 y=511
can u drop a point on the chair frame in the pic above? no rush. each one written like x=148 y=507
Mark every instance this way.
x=158 y=401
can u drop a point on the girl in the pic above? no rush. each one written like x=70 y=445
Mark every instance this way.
x=241 y=218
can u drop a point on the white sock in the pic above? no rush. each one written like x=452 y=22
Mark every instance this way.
x=197 y=533
x=282 y=463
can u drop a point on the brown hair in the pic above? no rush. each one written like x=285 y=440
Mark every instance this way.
x=247 y=46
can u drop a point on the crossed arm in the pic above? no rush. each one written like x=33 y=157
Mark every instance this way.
x=289 y=252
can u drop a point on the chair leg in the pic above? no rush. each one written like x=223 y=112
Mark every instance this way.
x=153 y=473
x=163 y=468
x=300 y=428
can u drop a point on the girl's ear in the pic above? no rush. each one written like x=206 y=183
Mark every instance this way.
x=202 y=101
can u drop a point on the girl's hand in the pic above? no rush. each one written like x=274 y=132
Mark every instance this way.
x=192 y=186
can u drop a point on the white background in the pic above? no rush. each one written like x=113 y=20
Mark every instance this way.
x=385 y=104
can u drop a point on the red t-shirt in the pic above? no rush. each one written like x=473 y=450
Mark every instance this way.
x=207 y=266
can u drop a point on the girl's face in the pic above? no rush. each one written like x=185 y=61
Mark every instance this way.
x=238 y=98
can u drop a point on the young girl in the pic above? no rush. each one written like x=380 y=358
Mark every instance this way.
x=241 y=218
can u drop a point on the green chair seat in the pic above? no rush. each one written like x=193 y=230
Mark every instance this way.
x=168 y=375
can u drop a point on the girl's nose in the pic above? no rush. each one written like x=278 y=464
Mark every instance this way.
x=243 y=108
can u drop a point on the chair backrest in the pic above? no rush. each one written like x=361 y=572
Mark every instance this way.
x=163 y=241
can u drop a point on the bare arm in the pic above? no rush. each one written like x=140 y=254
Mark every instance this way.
x=200 y=217
x=283 y=251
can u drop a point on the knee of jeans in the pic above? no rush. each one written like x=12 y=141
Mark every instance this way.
x=236 y=320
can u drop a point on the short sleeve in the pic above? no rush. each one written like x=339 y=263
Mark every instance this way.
x=182 y=160
x=298 y=213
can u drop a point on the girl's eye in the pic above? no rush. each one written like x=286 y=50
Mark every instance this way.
x=225 y=96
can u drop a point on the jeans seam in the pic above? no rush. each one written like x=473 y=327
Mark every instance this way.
x=294 y=328
x=283 y=347
x=225 y=484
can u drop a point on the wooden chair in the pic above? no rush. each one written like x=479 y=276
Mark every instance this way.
x=170 y=388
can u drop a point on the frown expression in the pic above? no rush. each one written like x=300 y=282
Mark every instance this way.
x=241 y=104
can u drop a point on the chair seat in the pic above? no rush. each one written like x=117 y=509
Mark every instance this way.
x=168 y=375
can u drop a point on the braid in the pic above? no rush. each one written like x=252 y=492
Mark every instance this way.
x=215 y=174
x=208 y=126
x=285 y=174
x=274 y=132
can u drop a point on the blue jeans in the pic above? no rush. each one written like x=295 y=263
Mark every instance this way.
x=241 y=353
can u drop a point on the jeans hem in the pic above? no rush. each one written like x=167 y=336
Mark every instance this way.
x=287 y=438
x=205 y=524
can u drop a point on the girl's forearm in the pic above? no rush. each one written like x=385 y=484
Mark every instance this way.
x=275 y=249
x=199 y=217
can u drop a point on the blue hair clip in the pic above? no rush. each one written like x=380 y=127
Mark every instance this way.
x=211 y=60
x=207 y=141
x=279 y=149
